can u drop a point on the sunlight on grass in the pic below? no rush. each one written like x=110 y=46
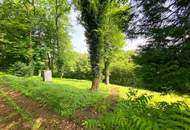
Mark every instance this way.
x=59 y=86
x=68 y=95
x=157 y=97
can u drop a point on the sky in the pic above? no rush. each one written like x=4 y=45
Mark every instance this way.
x=77 y=34
x=78 y=38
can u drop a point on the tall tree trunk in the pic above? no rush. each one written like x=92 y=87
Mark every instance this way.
x=30 y=44
x=56 y=24
x=31 y=55
x=57 y=17
x=95 y=58
x=52 y=62
x=107 y=73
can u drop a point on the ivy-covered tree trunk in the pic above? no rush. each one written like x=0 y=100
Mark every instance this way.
x=95 y=57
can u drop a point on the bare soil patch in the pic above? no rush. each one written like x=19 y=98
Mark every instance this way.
x=10 y=119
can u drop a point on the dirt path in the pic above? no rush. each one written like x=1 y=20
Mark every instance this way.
x=9 y=118
x=114 y=95
x=42 y=118
x=91 y=112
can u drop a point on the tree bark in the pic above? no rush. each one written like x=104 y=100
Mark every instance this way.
x=30 y=44
x=96 y=73
x=95 y=84
x=107 y=73
x=49 y=61
x=31 y=55
x=56 y=24
x=95 y=58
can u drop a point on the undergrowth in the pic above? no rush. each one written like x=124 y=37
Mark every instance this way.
x=136 y=113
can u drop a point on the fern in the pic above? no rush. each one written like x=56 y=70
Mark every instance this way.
x=91 y=124
x=136 y=113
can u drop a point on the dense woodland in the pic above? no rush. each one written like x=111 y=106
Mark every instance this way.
x=155 y=78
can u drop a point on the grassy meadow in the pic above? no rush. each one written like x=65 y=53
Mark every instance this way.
x=113 y=106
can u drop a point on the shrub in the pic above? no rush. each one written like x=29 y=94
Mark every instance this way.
x=122 y=70
x=20 y=69
x=123 y=75
x=164 y=69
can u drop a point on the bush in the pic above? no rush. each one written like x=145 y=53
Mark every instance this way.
x=20 y=69
x=164 y=69
x=123 y=75
x=122 y=70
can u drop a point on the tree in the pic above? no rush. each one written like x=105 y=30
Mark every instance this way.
x=91 y=12
x=122 y=69
x=164 y=61
x=113 y=40
x=57 y=30
x=60 y=10
x=112 y=32
x=92 y=15
x=15 y=27
x=34 y=33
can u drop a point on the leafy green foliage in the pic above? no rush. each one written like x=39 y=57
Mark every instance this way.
x=29 y=34
x=122 y=70
x=165 y=60
x=81 y=68
x=136 y=112
x=112 y=33
x=164 y=69
x=20 y=69
x=91 y=124
x=102 y=31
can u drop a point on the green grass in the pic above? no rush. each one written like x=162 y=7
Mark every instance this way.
x=63 y=96
x=134 y=110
